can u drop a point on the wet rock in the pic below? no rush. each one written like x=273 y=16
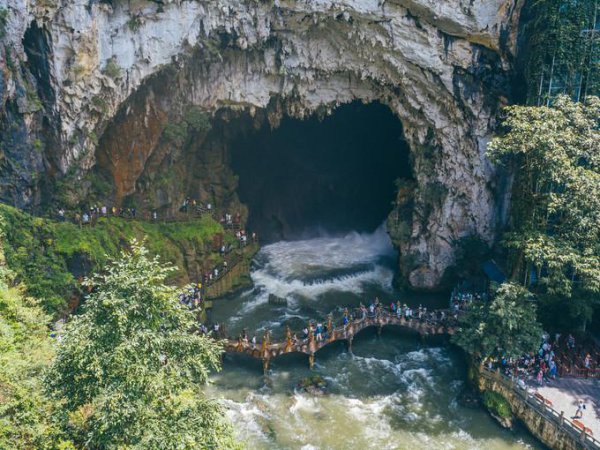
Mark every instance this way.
x=277 y=301
x=314 y=385
x=505 y=422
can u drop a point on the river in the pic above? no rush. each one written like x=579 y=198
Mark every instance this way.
x=394 y=391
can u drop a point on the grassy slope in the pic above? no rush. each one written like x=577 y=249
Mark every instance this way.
x=49 y=255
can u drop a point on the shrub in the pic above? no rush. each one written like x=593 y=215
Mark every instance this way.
x=112 y=69
x=176 y=132
x=135 y=23
x=497 y=404
x=100 y=104
x=3 y=21
x=198 y=120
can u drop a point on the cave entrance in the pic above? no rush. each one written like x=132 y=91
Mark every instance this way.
x=312 y=177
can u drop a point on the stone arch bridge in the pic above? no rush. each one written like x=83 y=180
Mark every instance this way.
x=434 y=323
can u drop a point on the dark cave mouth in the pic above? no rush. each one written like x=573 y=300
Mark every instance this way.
x=315 y=177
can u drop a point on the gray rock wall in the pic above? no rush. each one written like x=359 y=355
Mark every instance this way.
x=442 y=66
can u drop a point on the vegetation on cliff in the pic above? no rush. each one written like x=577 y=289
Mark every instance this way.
x=50 y=256
x=553 y=239
x=563 y=51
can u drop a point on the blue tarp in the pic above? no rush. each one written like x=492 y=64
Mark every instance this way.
x=493 y=272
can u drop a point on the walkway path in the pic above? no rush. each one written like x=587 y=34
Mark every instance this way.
x=433 y=323
x=565 y=393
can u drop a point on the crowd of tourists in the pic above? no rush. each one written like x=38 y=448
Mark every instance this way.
x=460 y=299
x=89 y=216
x=191 y=205
x=557 y=356
x=539 y=367
x=399 y=310
x=193 y=297
x=578 y=357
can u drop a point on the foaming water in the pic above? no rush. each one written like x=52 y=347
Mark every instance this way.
x=316 y=258
x=312 y=267
x=316 y=274
x=393 y=392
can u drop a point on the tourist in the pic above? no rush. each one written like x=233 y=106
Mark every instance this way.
x=571 y=342
x=103 y=210
x=61 y=215
x=553 y=369
x=556 y=339
x=579 y=411
x=253 y=342
x=588 y=361
x=319 y=332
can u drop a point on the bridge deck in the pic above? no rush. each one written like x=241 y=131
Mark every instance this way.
x=268 y=350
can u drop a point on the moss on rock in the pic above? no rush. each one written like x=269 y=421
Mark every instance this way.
x=50 y=256
x=497 y=405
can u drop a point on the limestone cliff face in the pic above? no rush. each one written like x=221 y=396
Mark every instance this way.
x=89 y=83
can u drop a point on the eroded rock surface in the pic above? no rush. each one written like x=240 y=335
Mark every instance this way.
x=87 y=82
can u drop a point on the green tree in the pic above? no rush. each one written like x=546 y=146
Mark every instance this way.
x=562 y=49
x=555 y=229
x=129 y=369
x=504 y=326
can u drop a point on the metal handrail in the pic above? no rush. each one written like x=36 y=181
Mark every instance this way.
x=545 y=410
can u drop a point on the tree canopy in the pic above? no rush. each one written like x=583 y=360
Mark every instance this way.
x=505 y=326
x=554 y=234
x=129 y=369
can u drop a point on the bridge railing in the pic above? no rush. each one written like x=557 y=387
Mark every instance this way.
x=576 y=430
x=358 y=322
